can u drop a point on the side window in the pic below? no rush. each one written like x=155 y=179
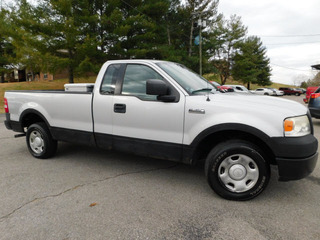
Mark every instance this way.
x=135 y=78
x=109 y=79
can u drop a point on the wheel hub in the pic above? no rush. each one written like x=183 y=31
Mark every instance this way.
x=37 y=142
x=237 y=172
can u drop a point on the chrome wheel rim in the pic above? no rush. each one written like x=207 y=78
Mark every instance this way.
x=36 y=142
x=238 y=173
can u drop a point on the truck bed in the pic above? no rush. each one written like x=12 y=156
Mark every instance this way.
x=62 y=109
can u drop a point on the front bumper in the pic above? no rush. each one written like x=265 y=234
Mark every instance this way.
x=294 y=169
x=296 y=157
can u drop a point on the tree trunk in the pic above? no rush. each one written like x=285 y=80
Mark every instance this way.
x=2 y=78
x=190 y=40
x=248 y=85
x=168 y=33
x=223 y=80
x=70 y=69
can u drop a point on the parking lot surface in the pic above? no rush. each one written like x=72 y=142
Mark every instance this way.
x=87 y=193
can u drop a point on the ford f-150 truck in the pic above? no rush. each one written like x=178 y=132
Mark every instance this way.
x=163 y=110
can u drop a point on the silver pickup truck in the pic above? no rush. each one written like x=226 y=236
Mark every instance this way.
x=163 y=110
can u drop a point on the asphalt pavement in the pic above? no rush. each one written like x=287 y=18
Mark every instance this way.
x=87 y=193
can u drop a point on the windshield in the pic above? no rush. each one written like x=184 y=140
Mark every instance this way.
x=190 y=81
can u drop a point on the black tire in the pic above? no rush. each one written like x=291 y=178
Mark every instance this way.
x=266 y=94
x=297 y=94
x=231 y=170
x=40 y=142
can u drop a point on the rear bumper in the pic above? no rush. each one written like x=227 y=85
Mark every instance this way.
x=7 y=122
x=13 y=125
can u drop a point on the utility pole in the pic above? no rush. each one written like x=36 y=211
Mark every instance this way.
x=201 y=23
x=200 y=46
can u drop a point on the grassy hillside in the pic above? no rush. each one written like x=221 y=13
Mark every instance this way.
x=59 y=84
x=214 y=77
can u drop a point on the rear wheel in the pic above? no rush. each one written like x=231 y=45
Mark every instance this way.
x=236 y=170
x=40 y=142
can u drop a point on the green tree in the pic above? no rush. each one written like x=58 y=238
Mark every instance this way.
x=222 y=44
x=6 y=48
x=58 y=34
x=304 y=84
x=250 y=63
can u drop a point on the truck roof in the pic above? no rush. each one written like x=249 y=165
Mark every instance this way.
x=135 y=60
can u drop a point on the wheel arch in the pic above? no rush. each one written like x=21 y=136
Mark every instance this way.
x=211 y=137
x=31 y=116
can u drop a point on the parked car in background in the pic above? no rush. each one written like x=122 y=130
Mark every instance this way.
x=276 y=92
x=238 y=88
x=314 y=104
x=303 y=90
x=222 y=88
x=263 y=91
x=310 y=90
x=290 y=91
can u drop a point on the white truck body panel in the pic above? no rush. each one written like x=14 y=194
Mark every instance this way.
x=69 y=111
x=269 y=113
x=149 y=120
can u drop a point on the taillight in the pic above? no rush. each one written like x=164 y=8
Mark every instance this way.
x=6 y=107
x=315 y=95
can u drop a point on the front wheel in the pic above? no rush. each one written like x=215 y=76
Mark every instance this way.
x=236 y=170
x=40 y=142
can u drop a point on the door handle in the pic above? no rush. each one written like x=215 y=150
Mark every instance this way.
x=119 y=108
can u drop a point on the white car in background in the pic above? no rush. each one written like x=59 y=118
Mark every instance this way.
x=238 y=88
x=264 y=91
x=278 y=92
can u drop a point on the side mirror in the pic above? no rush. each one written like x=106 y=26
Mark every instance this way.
x=156 y=87
x=160 y=89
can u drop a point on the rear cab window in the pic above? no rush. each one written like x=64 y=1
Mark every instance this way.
x=109 y=79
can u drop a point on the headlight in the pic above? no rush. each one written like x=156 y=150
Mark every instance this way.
x=297 y=126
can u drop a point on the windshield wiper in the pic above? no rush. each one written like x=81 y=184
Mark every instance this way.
x=202 y=90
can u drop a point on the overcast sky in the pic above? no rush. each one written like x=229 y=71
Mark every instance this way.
x=289 y=30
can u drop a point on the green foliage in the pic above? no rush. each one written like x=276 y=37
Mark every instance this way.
x=222 y=44
x=6 y=48
x=54 y=35
x=250 y=64
x=304 y=84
